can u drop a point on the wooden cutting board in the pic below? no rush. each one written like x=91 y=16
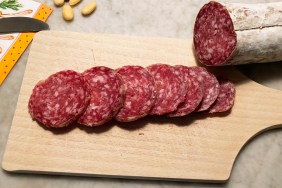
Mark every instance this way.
x=196 y=147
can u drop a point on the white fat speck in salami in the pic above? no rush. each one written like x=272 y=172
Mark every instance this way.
x=169 y=88
x=211 y=88
x=195 y=91
x=226 y=97
x=59 y=100
x=139 y=88
x=106 y=95
x=237 y=33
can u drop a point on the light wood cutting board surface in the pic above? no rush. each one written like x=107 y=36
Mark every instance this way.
x=197 y=147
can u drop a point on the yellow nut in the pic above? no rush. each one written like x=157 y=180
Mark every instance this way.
x=59 y=3
x=68 y=12
x=88 y=9
x=74 y=2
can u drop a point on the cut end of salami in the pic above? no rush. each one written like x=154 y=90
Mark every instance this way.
x=226 y=97
x=214 y=36
x=58 y=100
x=106 y=96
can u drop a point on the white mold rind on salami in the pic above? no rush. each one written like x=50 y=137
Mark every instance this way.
x=254 y=16
x=106 y=95
x=258 y=46
x=234 y=33
x=139 y=87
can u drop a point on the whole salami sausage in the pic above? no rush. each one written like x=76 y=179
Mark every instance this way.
x=226 y=97
x=195 y=91
x=169 y=88
x=58 y=100
x=211 y=88
x=106 y=95
x=139 y=89
x=226 y=34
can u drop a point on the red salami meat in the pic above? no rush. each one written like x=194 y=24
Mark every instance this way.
x=226 y=97
x=195 y=91
x=58 y=100
x=139 y=88
x=169 y=88
x=214 y=35
x=106 y=96
x=211 y=88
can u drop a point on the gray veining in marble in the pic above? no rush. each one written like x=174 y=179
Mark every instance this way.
x=259 y=165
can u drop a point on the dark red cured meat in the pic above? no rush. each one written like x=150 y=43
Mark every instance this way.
x=226 y=97
x=106 y=95
x=195 y=91
x=211 y=88
x=169 y=88
x=139 y=88
x=214 y=35
x=58 y=100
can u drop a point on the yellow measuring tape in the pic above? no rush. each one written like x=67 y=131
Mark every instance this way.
x=15 y=52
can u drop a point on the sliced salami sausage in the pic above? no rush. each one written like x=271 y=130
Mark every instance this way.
x=237 y=33
x=226 y=97
x=195 y=91
x=169 y=88
x=59 y=100
x=106 y=95
x=139 y=89
x=211 y=88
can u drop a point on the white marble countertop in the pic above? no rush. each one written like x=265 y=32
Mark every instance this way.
x=258 y=165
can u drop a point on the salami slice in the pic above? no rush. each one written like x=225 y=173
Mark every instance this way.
x=211 y=88
x=106 y=94
x=236 y=33
x=169 y=88
x=195 y=91
x=58 y=100
x=226 y=97
x=139 y=88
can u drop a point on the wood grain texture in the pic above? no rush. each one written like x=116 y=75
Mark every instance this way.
x=197 y=147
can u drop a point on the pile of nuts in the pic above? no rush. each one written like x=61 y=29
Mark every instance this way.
x=67 y=10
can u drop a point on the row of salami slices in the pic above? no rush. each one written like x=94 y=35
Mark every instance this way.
x=127 y=94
